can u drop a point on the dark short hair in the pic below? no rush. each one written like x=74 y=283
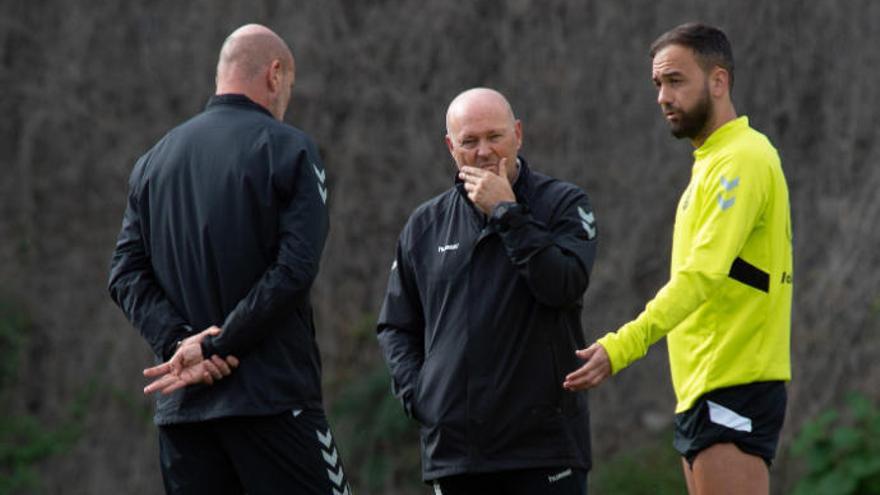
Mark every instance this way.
x=709 y=43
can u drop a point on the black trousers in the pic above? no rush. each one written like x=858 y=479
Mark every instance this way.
x=541 y=481
x=287 y=453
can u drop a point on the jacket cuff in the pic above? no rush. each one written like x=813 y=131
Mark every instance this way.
x=610 y=343
x=209 y=349
x=508 y=215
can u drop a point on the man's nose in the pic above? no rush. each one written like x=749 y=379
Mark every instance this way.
x=483 y=149
x=664 y=96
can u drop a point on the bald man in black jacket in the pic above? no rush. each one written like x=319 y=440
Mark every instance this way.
x=482 y=315
x=220 y=243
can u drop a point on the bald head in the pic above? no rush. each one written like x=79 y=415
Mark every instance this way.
x=257 y=63
x=248 y=51
x=477 y=102
x=481 y=131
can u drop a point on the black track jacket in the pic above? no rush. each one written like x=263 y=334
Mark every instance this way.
x=225 y=225
x=480 y=323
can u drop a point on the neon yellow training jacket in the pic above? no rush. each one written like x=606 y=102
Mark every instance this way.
x=727 y=305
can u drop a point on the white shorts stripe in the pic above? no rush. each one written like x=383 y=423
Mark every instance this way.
x=723 y=416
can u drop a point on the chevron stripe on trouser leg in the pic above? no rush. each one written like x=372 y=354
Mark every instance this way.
x=293 y=452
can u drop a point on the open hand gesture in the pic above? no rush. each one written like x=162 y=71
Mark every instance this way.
x=189 y=367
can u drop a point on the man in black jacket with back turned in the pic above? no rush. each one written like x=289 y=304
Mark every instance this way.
x=481 y=318
x=223 y=233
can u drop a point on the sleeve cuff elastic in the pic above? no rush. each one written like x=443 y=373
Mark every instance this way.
x=208 y=348
x=508 y=215
x=608 y=342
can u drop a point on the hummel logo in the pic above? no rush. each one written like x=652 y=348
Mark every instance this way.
x=448 y=247
x=325 y=438
x=725 y=203
x=334 y=466
x=556 y=477
x=322 y=176
x=729 y=185
x=330 y=458
x=336 y=476
x=588 y=222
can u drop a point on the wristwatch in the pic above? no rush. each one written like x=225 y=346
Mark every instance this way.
x=509 y=215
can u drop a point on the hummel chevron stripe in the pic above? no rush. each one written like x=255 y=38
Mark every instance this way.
x=725 y=203
x=336 y=477
x=729 y=185
x=322 y=174
x=326 y=439
x=330 y=458
x=587 y=222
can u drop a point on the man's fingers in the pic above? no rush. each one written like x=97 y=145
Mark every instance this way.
x=578 y=374
x=595 y=379
x=474 y=172
x=584 y=378
x=473 y=175
x=212 y=369
x=221 y=365
x=232 y=360
x=176 y=385
x=471 y=185
x=585 y=354
x=584 y=371
x=158 y=370
x=159 y=384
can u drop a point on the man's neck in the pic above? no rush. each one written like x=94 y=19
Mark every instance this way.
x=718 y=119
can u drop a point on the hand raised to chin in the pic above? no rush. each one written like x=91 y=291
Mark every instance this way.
x=485 y=188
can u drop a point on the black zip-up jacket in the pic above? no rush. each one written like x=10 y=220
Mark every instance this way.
x=480 y=325
x=225 y=225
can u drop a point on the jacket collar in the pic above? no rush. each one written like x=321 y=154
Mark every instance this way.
x=237 y=100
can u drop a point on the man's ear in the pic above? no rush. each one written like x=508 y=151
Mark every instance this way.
x=449 y=144
x=275 y=76
x=517 y=129
x=719 y=81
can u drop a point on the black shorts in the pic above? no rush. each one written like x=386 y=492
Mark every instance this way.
x=287 y=453
x=750 y=416
x=546 y=481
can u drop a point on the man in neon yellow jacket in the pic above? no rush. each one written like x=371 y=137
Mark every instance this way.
x=726 y=310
